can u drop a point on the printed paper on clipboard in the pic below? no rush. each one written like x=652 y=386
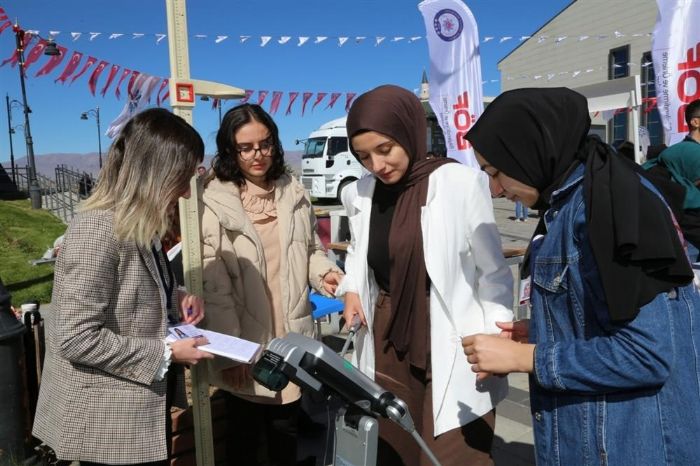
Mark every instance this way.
x=220 y=344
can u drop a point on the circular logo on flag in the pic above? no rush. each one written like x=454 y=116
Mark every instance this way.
x=448 y=24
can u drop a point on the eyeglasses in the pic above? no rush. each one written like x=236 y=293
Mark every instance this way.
x=247 y=152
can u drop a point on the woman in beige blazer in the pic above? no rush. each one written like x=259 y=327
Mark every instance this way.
x=103 y=392
x=261 y=252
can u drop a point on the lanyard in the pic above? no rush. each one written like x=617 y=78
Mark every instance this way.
x=169 y=284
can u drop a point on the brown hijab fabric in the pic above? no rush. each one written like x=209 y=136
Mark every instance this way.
x=398 y=114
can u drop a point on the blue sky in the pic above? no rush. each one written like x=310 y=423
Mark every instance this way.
x=325 y=67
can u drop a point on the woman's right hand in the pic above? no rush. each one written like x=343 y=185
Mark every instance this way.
x=518 y=330
x=353 y=307
x=185 y=351
x=236 y=376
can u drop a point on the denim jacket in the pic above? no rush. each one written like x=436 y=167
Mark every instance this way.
x=606 y=393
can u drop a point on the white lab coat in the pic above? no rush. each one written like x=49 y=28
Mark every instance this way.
x=471 y=286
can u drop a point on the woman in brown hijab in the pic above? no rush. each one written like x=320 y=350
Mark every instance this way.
x=424 y=269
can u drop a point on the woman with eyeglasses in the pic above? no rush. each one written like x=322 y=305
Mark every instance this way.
x=260 y=254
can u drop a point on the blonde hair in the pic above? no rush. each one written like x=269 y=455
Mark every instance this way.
x=149 y=166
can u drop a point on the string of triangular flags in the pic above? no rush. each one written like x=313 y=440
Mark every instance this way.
x=141 y=87
x=549 y=76
x=300 y=40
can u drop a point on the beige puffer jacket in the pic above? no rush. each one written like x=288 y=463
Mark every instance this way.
x=234 y=268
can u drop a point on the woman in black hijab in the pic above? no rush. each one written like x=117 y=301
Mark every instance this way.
x=613 y=344
x=425 y=269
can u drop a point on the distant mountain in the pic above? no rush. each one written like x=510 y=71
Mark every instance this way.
x=47 y=163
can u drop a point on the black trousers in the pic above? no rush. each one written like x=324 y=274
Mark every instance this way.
x=154 y=463
x=261 y=434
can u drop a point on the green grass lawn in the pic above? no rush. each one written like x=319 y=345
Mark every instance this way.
x=25 y=234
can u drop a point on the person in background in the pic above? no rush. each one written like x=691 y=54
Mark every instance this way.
x=103 y=392
x=676 y=172
x=201 y=171
x=655 y=151
x=521 y=212
x=612 y=347
x=425 y=268
x=260 y=252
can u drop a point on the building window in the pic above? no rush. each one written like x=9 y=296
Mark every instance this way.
x=651 y=120
x=618 y=62
x=618 y=67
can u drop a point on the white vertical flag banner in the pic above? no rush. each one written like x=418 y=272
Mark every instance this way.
x=676 y=55
x=455 y=72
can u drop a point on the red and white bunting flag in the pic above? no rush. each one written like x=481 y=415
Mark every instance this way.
x=14 y=58
x=3 y=15
x=319 y=98
x=138 y=97
x=275 y=102
x=246 y=98
x=35 y=53
x=349 y=96
x=334 y=97
x=112 y=73
x=70 y=67
x=163 y=85
x=292 y=97
x=261 y=97
x=304 y=99
x=53 y=62
x=117 y=90
x=650 y=104
x=148 y=86
x=132 y=81
x=86 y=66
x=92 y=82
x=5 y=25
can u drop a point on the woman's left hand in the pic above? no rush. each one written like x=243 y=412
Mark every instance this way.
x=491 y=354
x=331 y=280
x=191 y=308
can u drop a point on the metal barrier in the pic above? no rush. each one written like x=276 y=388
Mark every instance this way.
x=60 y=195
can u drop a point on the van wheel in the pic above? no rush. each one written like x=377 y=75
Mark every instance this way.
x=342 y=186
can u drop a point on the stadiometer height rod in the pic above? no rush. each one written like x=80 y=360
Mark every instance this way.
x=189 y=223
x=183 y=92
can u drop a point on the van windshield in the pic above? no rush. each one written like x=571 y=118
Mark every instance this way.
x=314 y=148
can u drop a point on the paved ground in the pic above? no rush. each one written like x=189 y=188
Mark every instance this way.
x=513 y=443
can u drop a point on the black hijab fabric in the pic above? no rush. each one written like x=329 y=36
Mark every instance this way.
x=537 y=136
x=397 y=113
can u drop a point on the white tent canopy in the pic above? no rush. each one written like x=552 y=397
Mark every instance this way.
x=614 y=94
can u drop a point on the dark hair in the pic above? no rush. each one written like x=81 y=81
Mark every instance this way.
x=655 y=151
x=225 y=163
x=692 y=110
x=626 y=149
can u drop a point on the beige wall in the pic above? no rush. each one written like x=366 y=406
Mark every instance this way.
x=556 y=63
x=583 y=17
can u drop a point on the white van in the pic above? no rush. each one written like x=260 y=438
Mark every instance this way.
x=327 y=165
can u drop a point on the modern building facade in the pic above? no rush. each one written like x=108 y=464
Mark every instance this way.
x=590 y=41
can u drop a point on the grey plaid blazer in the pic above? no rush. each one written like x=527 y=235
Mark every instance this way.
x=98 y=401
